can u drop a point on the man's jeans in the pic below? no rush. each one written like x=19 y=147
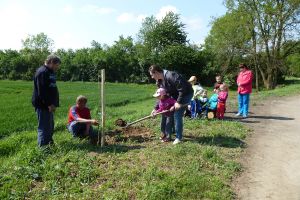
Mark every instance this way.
x=78 y=129
x=45 y=127
x=243 y=100
x=178 y=116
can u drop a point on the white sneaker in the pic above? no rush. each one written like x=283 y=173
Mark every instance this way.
x=176 y=141
x=238 y=114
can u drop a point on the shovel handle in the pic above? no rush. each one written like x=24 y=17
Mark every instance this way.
x=147 y=117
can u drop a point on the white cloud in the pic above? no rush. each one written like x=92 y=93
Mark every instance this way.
x=125 y=17
x=68 y=9
x=164 y=10
x=15 y=21
x=98 y=10
x=141 y=17
x=130 y=17
x=193 y=24
x=67 y=40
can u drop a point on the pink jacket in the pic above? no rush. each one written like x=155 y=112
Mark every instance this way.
x=222 y=96
x=244 y=80
x=165 y=104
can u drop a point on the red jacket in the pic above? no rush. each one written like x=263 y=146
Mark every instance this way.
x=244 y=81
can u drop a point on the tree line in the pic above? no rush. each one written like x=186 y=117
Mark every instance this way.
x=261 y=33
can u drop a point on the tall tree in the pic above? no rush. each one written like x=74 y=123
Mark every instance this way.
x=275 y=22
x=35 y=50
x=158 y=34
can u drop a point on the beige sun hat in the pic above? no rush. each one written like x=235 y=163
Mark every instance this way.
x=192 y=79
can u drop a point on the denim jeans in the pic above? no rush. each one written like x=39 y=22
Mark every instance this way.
x=78 y=129
x=243 y=100
x=178 y=116
x=166 y=125
x=45 y=127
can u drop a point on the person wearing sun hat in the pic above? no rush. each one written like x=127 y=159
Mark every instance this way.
x=167 y=119
x=244 y=83
x=176 y=87
x=194 y=106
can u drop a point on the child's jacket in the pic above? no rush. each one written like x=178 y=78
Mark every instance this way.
x=165 y=104
x=222 y=97
x=213 y=102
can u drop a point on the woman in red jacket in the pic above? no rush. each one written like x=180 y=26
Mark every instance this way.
x=244 y=82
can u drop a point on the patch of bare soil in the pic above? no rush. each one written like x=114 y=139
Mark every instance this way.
x=132 y=133
x=272 y=157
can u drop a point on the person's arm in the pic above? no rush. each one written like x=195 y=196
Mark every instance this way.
x=42 y=81
x=245 y=79
x=182 y=87
x=92 y=121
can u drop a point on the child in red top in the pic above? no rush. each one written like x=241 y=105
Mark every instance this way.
x=79 y=120
x=167 y=119
x=222 y=97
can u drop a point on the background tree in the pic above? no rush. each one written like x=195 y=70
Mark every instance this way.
x=275 y=22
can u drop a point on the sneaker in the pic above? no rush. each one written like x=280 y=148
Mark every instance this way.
x=162 y=136
x=238 y=114
x=176 y=141
x=245 y=116
x=165 y=140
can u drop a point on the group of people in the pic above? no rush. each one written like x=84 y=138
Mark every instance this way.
x=174 y=95
x=177 y=95
x=201 y=105
x=45 y=100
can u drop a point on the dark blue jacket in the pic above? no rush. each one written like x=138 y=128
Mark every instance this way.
x=175 y=85
x=45 y=92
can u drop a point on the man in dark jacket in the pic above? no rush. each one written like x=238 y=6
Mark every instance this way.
x=45 y=98
x=179 y=89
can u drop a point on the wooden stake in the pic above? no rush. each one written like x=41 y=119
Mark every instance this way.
x=102 y=107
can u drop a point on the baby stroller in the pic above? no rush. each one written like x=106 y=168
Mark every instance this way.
x=199 y=108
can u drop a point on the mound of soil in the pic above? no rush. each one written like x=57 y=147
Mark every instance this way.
x=134 y=133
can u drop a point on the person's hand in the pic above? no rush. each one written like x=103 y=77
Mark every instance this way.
x=172 y=109
x=153 y=113
x=51 y=108
x=95 y=122
x=177 y=106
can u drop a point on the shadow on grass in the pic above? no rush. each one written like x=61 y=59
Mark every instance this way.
x=250 y=119
x=221 y=141
x=271 y=117
x=110 y=148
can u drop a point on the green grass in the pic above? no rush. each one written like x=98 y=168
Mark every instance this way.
x=200 y=168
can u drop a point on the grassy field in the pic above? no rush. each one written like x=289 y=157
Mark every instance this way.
x=200 y=168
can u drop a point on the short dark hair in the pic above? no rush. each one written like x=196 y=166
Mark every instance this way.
x=243 y=65
x=155 y=68
x=54 y=59
x=81 y=98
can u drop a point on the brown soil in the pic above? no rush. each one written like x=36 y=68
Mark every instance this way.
x=133 y=133
x=272 y=157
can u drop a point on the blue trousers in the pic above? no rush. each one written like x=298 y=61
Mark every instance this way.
x=178 y=116
x=243 y=100
x=78 y=129
x=197 y=108
x=166 y=125
x=45 y=127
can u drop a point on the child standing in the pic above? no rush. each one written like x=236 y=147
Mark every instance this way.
x=167 y=119
x=203 y=101
x=218 y=82
x=222 y=97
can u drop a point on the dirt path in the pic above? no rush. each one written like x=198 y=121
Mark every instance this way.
x=272 y=157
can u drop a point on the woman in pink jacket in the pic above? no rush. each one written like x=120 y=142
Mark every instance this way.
x=244 y=82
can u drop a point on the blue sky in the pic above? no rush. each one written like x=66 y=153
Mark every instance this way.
x=74 y=24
